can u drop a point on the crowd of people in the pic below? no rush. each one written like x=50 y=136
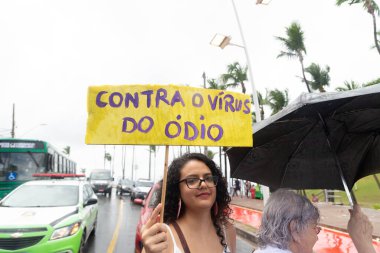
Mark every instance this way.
x=197 y=216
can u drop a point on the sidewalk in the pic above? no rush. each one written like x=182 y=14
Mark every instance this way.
x=332 y=216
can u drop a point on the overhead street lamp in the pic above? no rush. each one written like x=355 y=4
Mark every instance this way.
x=222 y=42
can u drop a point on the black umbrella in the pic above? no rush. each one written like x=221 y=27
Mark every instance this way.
x=321 y=141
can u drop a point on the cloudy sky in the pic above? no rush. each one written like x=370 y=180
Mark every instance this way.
x=51 y=51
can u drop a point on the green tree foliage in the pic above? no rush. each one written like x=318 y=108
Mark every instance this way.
x=320 y=77
x=236 y=76
x=294 y=46
x=372 y=8
x=214 y=85
x=352 y=85
x=66 y=150
x=107 y=157
x=376 y=81
x=210 y=154
x=152 y=149
x=262 y=102
x=277 y=100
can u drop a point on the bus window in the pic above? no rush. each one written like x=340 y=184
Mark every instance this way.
x=50 y=162
x=60 y=167
x=56 y=169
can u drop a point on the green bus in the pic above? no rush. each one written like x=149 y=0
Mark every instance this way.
x=21 y=158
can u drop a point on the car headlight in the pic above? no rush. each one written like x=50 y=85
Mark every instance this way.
x=65 y=231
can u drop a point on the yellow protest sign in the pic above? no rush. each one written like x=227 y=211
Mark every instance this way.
x=168 y=115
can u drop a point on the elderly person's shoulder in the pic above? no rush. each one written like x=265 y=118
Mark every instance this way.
x=270 y=249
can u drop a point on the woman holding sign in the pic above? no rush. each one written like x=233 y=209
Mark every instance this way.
x=196 y=211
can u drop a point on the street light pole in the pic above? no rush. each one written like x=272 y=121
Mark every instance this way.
x=13 y=122
x=245 y=47
x=264 y=189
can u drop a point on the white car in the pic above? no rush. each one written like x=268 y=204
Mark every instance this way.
x=140 y=189
x=48 y=216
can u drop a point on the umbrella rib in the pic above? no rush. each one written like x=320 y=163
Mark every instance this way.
x=351 y=197
x=369 y=144
x=295 y=152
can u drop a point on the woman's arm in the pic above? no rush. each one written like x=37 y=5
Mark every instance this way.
x=360 y=230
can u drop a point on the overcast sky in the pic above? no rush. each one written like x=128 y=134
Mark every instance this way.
x=51 y=51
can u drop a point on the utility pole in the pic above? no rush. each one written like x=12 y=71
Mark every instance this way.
x=13 y=122
x=204 y=86
x=104 y=156
x=123 y=160
x=133 y=159
x=113 y=162
x=204 y=79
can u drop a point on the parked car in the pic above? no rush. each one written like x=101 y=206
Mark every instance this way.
x=152 y=199
x=48 y=216
x=101 y=181
x=124 y=186
x=140 y=189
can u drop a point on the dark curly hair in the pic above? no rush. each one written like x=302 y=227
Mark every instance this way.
x=223 y=199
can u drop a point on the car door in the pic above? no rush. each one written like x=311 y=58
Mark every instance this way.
x=93 y=208
x=86 y=211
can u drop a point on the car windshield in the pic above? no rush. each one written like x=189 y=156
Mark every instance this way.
x=126 y=182
x=43 y=196
x=100 y=176
x=144 y=184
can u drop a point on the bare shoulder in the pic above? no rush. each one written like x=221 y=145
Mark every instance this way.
x=230 y=228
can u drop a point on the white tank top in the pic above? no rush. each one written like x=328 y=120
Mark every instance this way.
x=176 y=249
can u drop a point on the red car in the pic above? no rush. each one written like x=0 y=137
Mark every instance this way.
x=149 y=204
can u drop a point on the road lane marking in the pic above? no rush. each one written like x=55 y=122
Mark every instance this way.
x=111 y=246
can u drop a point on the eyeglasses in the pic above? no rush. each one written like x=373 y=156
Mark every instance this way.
x=195 y=183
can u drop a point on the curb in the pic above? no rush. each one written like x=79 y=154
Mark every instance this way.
x=243 y=232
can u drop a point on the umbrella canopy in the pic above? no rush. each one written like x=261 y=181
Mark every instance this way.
x=303 y=146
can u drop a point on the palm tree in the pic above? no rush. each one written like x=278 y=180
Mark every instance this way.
x=295 y=47
x=376 y=81
x=371 y=7
x=152 y=149
x=352 y=85
x=277 y=100
x=378 y=41
x=107 y=157
x=262 y=102
x=66 y=150
x=235 y=76
x=210 y=154
x=214 y=85
x=320 y=77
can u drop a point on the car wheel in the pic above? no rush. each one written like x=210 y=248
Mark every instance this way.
x=82 y=243
x=93 y=232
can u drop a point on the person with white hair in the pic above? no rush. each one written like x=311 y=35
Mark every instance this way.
x=290 y=225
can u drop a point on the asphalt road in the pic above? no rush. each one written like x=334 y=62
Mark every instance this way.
x=119 y=237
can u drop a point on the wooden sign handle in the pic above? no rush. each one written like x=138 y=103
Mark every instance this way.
x=164 y=181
